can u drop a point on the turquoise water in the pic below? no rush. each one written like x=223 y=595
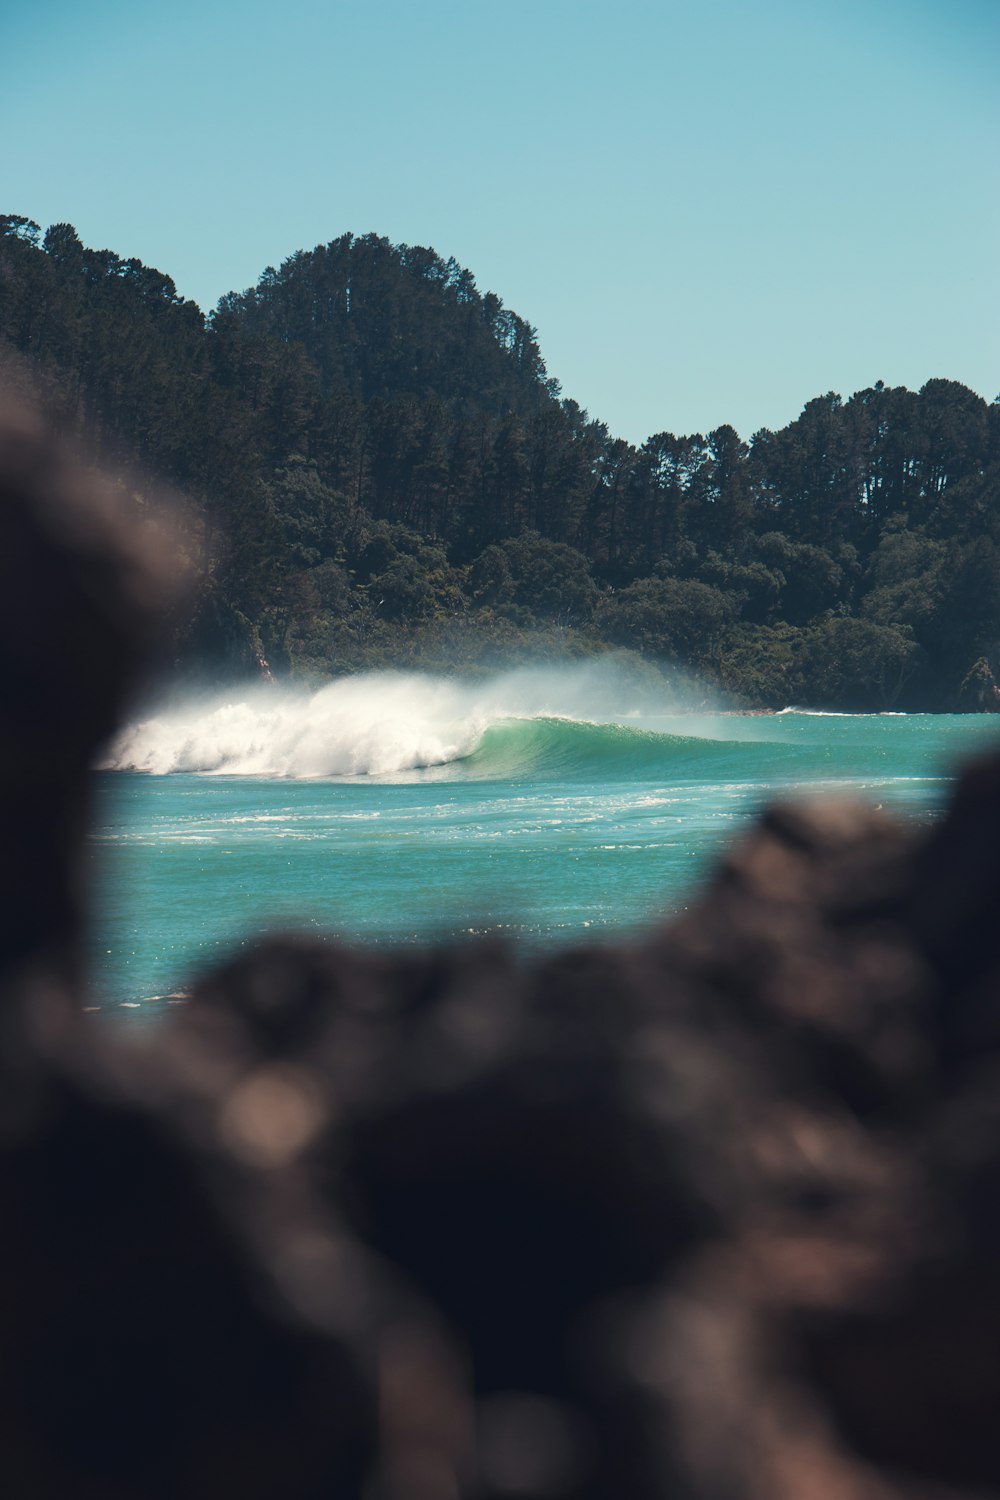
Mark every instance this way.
x=548 y=827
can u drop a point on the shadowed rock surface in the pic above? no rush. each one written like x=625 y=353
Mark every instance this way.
x=715 y=1214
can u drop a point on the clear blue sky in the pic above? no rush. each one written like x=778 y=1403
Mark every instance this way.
x=711 y=210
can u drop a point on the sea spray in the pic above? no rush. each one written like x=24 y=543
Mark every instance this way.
x=385 y=723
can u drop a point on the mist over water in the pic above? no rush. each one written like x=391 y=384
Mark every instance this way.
x=386 y=723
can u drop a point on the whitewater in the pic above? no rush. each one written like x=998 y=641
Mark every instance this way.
x=386 y=723
x=548 y=804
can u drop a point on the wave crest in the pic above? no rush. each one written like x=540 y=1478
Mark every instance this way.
x=392 y=723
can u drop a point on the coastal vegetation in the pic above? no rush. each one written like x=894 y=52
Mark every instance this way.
x=377 y=470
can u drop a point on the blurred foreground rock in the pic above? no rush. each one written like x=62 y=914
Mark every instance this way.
x=712 y=1215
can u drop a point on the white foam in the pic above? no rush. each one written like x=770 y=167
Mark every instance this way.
x=378 y=723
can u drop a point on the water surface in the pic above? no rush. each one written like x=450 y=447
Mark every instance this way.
x=396 y=808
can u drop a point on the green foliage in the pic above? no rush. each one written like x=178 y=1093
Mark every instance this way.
x=313 y=519
x=755 y=588
x=904 y=579
x=764 y=667
x=811 y=581
x=669 y=618
x=856 y=665
x=377 y=468
x=548 y=579
x=416 y=588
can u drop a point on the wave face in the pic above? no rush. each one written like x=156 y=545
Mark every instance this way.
x=559 y=747
x=573 y=801
x=391 y=723
x=601 y=720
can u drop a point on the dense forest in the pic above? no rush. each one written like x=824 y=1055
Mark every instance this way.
x=377 y=470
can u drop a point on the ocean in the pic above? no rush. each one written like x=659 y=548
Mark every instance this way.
x=551 y=804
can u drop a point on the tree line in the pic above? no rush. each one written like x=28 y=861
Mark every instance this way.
x=378 y=470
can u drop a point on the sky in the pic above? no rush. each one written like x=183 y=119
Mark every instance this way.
x=711 y=210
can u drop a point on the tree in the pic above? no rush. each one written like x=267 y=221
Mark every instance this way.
x=549 y=579
x=676 y=619
x=365 y=408
x=812 y=581
x=313 y=518
x=857 y=665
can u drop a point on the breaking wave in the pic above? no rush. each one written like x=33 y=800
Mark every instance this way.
x=393 y=723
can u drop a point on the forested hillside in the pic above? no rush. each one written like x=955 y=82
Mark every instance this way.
x=379 y=471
